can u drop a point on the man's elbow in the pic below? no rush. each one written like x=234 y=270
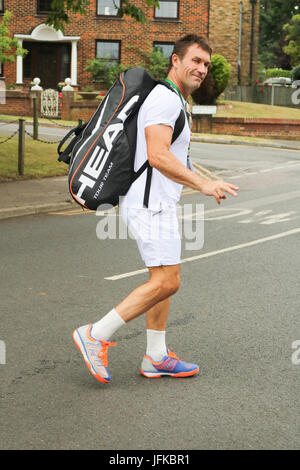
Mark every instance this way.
x=157 y=157
x=154 y=160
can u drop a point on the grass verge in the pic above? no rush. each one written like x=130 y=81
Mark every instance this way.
x=40 y=160
x=241 y=109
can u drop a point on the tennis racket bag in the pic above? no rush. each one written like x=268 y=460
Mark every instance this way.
x=101 y=154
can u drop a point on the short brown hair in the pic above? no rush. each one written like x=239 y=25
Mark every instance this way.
x=181 y=46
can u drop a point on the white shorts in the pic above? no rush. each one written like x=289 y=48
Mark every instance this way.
x=156 y=234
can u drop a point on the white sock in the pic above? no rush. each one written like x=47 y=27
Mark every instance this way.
x=107 y=326
x=156 y=344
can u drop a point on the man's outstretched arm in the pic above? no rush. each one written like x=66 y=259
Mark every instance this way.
x=158 y=139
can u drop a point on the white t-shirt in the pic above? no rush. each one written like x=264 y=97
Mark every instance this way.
x=162 y=106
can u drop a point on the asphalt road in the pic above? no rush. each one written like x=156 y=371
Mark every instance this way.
x=47 y=133
x=236 y=314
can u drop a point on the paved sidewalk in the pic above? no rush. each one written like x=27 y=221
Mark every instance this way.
x=34 y=196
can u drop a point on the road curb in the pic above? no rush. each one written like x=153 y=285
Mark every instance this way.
x=11 y=212
x=242 y=142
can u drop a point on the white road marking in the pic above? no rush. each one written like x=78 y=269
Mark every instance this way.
x=213 y=253
x=229 y=216
x=277 y=218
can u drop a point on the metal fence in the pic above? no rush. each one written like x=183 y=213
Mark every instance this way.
x=273 y=95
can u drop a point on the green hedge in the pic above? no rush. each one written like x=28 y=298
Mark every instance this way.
x=272 y=73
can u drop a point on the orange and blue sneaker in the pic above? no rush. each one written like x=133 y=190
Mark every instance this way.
x=94 y=352
x=169 y=365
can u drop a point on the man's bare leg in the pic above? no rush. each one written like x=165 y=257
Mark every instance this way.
x=157 y=316
x=164 y=281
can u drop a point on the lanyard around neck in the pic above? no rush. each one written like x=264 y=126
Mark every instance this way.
x=185 y=105
x=177 y=90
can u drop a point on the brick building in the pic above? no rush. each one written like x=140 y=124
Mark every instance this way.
x=56 y=55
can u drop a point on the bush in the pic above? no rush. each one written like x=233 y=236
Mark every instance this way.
x=104 y=72
x=296 y=73
x=215 y=82
x=153 y=61
x=261 y=72
x=272 y=73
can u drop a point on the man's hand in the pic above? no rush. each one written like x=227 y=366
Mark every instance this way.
x=217 y=189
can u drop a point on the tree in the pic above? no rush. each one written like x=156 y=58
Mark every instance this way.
x=9 y=47
x=292 y=30
x=62 y=9
x=273 y=15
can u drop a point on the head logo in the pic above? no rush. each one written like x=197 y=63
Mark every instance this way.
x=98 y=159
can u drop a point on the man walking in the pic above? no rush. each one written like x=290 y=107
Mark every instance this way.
x=189 y=65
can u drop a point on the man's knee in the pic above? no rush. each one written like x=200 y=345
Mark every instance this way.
x=168 y=285
x=174 y=284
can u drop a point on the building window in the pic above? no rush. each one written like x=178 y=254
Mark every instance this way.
x=165 y=47
x=1 y=69
x=108 y=50
x=44 y=6
x=168 y=10
x=108 y=7
x=1 y=6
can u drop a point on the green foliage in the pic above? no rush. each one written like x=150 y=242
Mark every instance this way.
x=271 y=73
x=292 y=31
x=220 y=70
x=215 y=83
x=153 y=60
x=296 y=73
x=273 y=15
x=9 y=47
x=63 y=8
x=261 y=72
x=104 y=72
x=128 y=8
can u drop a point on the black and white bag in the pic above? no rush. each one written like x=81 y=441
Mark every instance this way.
x=101 y=154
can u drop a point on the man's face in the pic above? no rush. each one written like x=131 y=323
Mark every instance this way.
x=193 y=68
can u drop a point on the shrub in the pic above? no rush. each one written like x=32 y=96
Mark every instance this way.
x=215 y=83
x=296 y=73
x=272 y=73
x=154 y=61
x=104 y=72
x=261 y=72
